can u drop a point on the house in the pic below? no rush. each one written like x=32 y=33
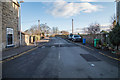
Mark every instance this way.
x=9 y=30
x=25 y=39
x=64 y=32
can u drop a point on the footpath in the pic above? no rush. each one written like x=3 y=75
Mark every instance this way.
x=15 y=51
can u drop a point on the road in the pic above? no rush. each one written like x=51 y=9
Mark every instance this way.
x=59 y=58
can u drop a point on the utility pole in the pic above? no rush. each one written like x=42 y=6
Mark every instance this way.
x=19 y=24
x=72 y=26
x=39 y=25
x=118 y=11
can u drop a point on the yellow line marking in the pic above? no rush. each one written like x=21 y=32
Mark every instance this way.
x=87 y=47
x=20 y=54
x=1 y=61
x=101 y=53
x=110 y=56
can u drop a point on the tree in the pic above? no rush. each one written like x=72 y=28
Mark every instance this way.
x=114 y=35
x=55 y=30
x=45 y=29
x=113 y=20
x=94 y=28
x=37 y=30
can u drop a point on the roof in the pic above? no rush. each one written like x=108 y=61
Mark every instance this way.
x=24 y=33
x=16 y=2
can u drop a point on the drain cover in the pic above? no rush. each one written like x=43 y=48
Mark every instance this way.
x=89 y=57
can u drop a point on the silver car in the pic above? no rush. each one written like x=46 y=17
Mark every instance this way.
x=76 y=38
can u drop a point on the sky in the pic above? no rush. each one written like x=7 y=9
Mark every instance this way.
x=60 y=14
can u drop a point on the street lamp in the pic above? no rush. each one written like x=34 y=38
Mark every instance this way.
x=20 y=19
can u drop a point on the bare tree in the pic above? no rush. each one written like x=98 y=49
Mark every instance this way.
x=113 y=20
x=93 y=28
x=45 y=28
x=55 y=30
x=36 y=30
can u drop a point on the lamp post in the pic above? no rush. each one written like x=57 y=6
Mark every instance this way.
x=117 y=11
x=20 y=20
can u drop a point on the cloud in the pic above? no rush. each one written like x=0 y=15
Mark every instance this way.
x=65 y=9
x=88 y=0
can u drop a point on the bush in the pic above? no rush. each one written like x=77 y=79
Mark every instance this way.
x=114 y=35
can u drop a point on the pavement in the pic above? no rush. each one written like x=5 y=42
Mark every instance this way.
x=15 y=51
x=59 y=58
x=9 y=53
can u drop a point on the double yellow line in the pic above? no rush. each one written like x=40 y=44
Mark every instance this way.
x=110 y=56
x=100 y=53
x=87 y=47
x=13 y=57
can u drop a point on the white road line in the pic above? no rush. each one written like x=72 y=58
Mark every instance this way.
x=92 y=65
x=59 y=55
x=52 y=46
x=43 y=47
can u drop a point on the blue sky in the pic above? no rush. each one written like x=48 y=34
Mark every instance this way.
x=60 y=14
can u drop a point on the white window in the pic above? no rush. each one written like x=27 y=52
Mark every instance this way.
x=10 y=37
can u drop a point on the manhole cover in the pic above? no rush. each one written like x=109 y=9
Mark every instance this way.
x=89 y=57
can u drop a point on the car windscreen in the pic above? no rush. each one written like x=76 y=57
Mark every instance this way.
x=76 y=36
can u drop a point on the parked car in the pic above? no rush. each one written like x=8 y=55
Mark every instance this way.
x=70 y=36
x=76 y=38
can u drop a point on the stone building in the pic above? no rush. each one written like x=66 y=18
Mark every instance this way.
x=9 y=16
x=0 y=27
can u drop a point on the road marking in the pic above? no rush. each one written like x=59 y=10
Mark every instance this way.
x=110 y=56
x=83 y=46
x=92 y=65
x=1 y=61
x=99 y=52
x=13 y=57
x=52 y=46
x=43 y=47
x=59 y=55
x=87 y=47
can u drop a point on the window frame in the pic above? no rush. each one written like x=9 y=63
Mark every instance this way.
x=8 y=45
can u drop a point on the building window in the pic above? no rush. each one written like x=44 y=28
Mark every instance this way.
x=10 y=35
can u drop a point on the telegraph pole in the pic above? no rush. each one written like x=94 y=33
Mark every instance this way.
x=39 y=25
x=72 y=26
x=118 y=11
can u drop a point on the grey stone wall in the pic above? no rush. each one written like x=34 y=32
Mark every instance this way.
x=9 y=20
x=0 y=38
x=0 y=26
